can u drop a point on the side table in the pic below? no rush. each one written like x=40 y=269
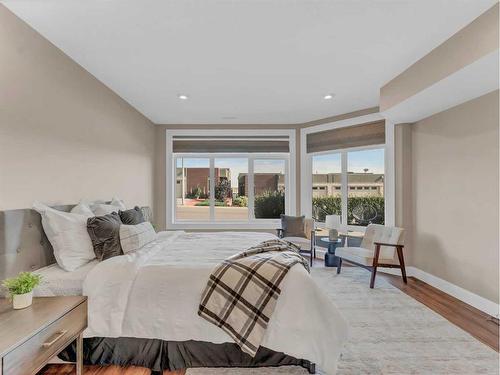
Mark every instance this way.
x=330 y=259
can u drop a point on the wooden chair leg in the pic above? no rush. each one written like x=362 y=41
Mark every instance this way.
x=339 y=266
x=401 y=258
x=372 y=278
x=374 y=266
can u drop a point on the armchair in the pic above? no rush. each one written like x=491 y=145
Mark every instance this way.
x=306 y=241
x=381 y=247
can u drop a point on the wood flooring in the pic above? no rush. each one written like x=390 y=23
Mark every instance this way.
x=478 y=324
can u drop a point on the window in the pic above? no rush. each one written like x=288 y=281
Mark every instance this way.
x=269 y=188
x=231 y=199
x=365 y=171
x=230 y=180
x=326 y=171
x=192 y=189
x=361 y=173
x=246 y=188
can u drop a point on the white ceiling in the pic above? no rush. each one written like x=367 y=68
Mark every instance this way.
x=246 y=61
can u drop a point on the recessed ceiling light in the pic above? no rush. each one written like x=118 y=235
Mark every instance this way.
x=183 y=97
x=328 y=96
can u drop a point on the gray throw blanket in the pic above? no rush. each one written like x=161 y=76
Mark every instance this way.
x=243 y=290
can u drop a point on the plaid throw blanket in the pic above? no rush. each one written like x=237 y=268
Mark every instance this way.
x=243 y=290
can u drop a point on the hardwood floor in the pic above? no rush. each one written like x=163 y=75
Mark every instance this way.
x=478 y=324
x=482 y=326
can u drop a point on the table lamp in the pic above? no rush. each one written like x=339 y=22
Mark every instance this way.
x=332 y=222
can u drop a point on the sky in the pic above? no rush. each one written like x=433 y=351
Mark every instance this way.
x=329 y=163
x=356 y=162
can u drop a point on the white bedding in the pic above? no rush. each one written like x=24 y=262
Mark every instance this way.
x=155 y=293
x=58 y=282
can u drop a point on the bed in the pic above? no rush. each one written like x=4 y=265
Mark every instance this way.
x=143 y=309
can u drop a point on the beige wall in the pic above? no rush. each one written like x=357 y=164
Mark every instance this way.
x=403 y=184
x=63 y=134
x=474 y=41
x=454 y=196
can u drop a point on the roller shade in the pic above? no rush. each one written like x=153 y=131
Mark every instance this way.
x=372 y=133
x=230 y=144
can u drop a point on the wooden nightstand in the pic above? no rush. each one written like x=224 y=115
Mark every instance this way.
x=30 y=337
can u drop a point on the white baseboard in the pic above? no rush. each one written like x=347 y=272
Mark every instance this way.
x=480 y=303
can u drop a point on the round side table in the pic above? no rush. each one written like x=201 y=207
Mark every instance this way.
x=330 y=259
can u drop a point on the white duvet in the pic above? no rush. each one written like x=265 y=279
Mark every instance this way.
x=155 y=293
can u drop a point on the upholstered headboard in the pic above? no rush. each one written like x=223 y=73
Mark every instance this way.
x=23 y=243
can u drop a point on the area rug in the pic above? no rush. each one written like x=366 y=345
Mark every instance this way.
x=391 y=333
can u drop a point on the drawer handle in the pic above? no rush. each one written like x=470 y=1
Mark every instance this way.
x=60 y=334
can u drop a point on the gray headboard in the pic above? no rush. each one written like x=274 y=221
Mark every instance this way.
x=23 y=244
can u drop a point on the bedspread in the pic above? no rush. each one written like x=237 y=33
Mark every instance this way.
x=155 y=293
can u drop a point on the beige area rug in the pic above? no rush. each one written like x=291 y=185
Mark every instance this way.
x=391 y=333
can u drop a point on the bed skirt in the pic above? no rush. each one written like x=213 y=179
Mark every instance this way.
x=159 y=355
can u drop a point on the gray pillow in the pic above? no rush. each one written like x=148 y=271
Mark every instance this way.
x=132 y=217
x=104 y=231
x=293 y=226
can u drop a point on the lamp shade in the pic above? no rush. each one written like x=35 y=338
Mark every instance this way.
x=332 y=222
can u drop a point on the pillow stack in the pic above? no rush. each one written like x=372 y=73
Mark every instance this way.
x=94 y=230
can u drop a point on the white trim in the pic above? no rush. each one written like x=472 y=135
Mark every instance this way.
x=211 y=194
x=480 y=303
x=344 y=188
x=251 y=190
x=290 y=166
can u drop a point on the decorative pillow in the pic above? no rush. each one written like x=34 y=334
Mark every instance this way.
x=132 y=217
x=104 y=231
x=82 y=209
x=293 y=226
x=67 y=233
x=133 y=237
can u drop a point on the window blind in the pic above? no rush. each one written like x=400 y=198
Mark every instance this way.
x=228 y=144
x=372 y=133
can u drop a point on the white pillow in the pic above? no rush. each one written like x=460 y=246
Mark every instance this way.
x=67 y=232
x=134 y=237
x=101 y=209
x=82 y=209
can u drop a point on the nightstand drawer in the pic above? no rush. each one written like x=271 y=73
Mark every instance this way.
x=34 y=353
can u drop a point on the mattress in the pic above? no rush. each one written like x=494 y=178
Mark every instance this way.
x=58 y=282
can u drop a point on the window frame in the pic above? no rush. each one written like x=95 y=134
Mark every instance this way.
x=212 y=223
x=389 y=167
x=344 y=188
